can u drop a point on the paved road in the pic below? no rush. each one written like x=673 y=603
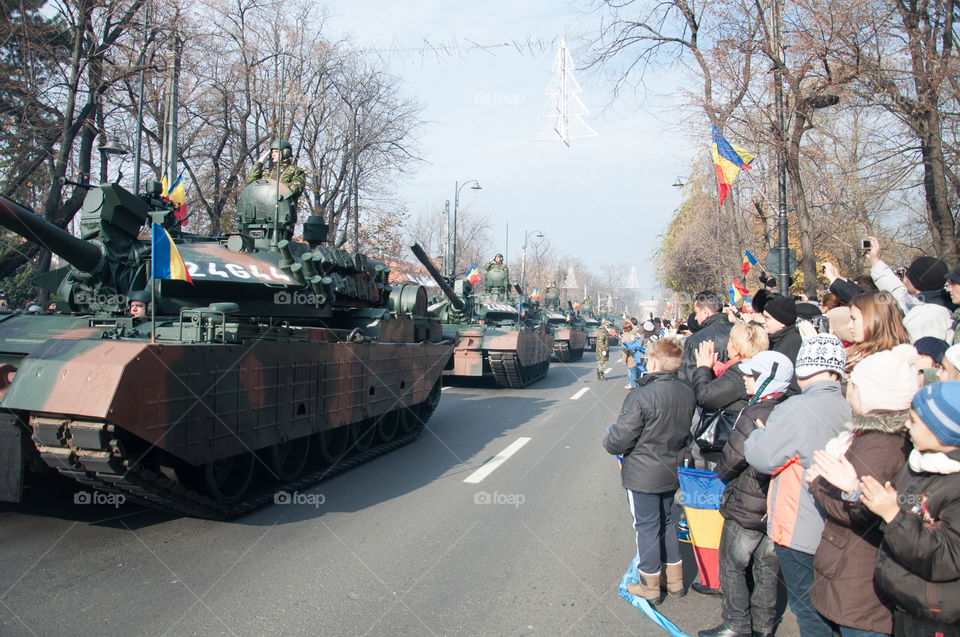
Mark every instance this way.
x=399 y=546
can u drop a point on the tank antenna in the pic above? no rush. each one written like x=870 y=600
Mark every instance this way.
x=276 y=205
x=143 y=59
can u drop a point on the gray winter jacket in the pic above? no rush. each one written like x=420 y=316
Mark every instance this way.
x=784 y=448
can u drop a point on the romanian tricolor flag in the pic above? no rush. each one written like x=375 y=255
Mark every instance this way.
x=748 y=260
x=535 y=295
x=522 y=311
x=729 y=159
x=166 y=260
x=740 y=291
x=701 y=493
x=176 y=195
x=473 y=275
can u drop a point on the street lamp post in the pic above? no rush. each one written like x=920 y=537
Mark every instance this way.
x=523 y=257
x=457 y=187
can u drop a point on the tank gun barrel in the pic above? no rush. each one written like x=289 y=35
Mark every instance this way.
x=432 y=269
x=32 y=227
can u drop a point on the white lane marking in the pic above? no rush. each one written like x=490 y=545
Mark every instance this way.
x=446 y=388
x=496 y=461
x=580 y=393
x=608 y=370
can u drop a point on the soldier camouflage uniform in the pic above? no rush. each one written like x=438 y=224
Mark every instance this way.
x=602 y=349
x=291 y=176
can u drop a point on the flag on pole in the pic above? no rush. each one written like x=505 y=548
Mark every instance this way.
x=733 y=295
x=535 y=295
x=701 y=492
x=166 y=262
x=748 y=260
x=473 y=275
x=177 y=195
x=522 y=311
x=729 y=159
x=739 y=289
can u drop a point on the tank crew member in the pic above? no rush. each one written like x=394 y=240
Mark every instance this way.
x=138 y=301
x=602 y=349
x=553 y=288
x=291 y=175
x=497 y=264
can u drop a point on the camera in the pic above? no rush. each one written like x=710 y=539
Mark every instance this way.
x=866 y=244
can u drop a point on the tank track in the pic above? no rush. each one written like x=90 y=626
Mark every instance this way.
x=564 y=354
x=107 y=468
x=508 y=372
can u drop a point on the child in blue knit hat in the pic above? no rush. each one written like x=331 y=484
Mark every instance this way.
x=918 y=565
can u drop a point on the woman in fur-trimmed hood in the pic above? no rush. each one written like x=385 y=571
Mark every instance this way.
x=873 y=443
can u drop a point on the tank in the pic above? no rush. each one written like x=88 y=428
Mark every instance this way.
x=491 y=338
x=566 y=325
x=280 y=364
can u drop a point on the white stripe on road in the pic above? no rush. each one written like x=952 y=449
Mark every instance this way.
x=608 y=370
x=445 y=388
x=496 y=461
x=580 y=393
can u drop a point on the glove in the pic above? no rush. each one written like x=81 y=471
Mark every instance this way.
x=604 y=353
x=264 y=157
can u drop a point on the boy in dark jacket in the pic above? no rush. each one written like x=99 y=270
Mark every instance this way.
x=918 y=565
x=651 y=434
x=744 y=542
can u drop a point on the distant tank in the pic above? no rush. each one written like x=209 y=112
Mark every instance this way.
x=569 y=335
x=490 y=337
x=282 y=363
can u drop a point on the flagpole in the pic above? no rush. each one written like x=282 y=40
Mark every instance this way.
x=153 y=294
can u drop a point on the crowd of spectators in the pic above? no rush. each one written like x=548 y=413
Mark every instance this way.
x=842 y=462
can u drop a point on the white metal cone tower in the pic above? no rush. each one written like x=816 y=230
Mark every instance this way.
x=563 y=113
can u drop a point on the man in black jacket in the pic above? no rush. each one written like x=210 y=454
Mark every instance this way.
x=651 y=434
x=714 y=326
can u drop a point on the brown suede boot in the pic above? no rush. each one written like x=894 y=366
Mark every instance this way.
x=648 y=587
x=675 y=579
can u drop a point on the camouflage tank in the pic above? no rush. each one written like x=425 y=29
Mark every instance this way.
x=490 y=337
x=281 y=364
x=569 y=334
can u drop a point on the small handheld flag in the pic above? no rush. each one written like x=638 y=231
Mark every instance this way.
x=729 y=159
x=748 y=260
x=166 y=262
x=473 y=275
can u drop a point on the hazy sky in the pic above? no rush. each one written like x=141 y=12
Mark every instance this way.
x=604 y=199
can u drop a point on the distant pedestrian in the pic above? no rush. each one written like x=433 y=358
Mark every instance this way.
x=602 y=348
x=651 y=435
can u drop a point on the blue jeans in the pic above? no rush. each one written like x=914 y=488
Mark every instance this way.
x=797 y=570
x=657 y=541
x=633 y=374
x=747 y=608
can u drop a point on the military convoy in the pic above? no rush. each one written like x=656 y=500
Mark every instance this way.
x=280 y=364
x=491 y=338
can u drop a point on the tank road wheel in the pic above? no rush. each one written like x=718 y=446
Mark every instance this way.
x=334 y=443
x=387 y=426
x=227 y=480
x=427 y=407
x=362 y=435
x=287 y=460
x=408 y=421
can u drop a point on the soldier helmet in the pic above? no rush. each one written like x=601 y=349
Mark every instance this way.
x=285 y=148
x=138 y=295
x=497 y=255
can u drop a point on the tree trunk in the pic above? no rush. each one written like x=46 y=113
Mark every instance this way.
x=935 y=187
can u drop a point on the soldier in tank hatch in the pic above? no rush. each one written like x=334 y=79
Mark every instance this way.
x=497 y=263
x=291 y=175
x=138 y=301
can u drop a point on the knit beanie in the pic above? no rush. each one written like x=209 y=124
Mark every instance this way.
x=933 y=347
x=938 y=406
x=808 y=310
x=820 y=353
x=762 y=367
x=953 y=355
x=927 y=273
x=782 y=309
x=886 y=380
x=839 y=318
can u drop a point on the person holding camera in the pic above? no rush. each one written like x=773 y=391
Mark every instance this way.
x=292 y=176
